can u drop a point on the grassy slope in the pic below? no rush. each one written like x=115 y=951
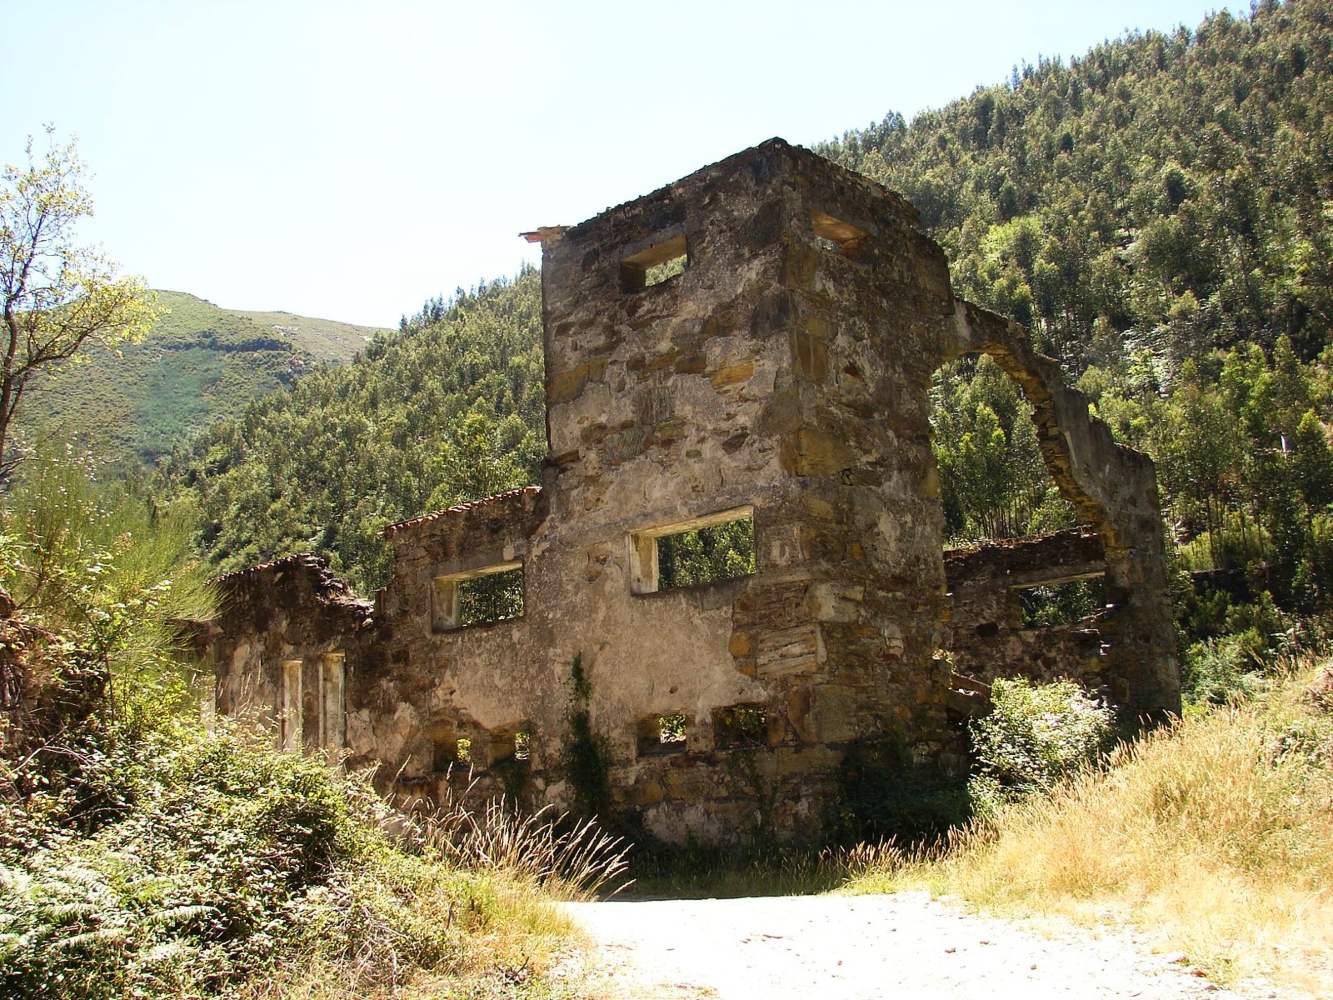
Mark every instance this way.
x=199 y=363
x=323 y=339
x=1215 y=836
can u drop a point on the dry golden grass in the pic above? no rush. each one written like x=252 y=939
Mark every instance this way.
x=1215 y=835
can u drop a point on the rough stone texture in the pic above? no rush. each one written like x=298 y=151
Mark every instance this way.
x=785 y=373
x=1114 y=490
x=985 y=635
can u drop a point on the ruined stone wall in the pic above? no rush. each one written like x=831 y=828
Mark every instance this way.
x=781 y=375
x=290 y=611
x=1113 y=490
x=782 y=370
x=986 y=636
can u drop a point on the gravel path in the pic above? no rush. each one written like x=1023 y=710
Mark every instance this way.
x=859 y=948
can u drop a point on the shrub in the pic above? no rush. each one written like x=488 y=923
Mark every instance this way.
x=1217 y=671
x=180 y=862
x=1036 y=736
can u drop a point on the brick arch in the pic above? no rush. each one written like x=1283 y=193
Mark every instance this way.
x=1113 y=489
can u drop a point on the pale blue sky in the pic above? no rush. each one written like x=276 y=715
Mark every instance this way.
x=348 y=160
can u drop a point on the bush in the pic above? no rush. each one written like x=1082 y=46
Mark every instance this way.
x=1218 y=671
x=1036 y=736
x=186 y=874
x=180 y=862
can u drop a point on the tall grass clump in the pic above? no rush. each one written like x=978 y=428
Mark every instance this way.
x=569 y=858
x=1216 y=834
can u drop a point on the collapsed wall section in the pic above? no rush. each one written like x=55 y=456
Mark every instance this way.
x=1113 y=490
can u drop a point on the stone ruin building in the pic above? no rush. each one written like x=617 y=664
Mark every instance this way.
x=752 y=346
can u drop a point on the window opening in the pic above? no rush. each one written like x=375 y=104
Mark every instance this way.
x=835 y=235
x=488 y=595
x=1061 y=603
x=659 y=263
x=708 y=549
x=450 y=752
x=740 y=726
x=662 y=734
x=511 y=747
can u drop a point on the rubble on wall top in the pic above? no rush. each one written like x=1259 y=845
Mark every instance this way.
x=309 y=559
x=460 y=508
x=327 y=585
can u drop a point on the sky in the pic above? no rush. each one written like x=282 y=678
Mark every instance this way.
x=351 y=160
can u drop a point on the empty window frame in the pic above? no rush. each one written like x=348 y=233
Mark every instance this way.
x=289 y=706
x=708 y=549
x=450 y=753
x=660 y=262
x=662 y=734
x=1066 y=603
x=514 y=747
x=486 y=595
x=739 y=726
x=836 y=235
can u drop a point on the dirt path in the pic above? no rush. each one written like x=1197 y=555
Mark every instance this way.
x=859 y=948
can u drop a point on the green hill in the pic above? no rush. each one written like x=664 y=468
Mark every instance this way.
x=199 y=363
x=1158 y=212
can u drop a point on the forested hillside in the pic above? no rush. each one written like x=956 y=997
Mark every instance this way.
x=447 y=409
x=198 y=363
x=1158 y=212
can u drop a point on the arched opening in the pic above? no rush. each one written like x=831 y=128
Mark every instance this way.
x=1108 y=492
x=1026 y=581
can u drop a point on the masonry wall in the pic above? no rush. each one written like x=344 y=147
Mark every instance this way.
x=782 y=375
x=986 y=636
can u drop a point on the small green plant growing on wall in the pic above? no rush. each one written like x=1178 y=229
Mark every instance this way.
x=584 y=756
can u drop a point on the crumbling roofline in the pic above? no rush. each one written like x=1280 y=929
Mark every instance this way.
x=461 y=508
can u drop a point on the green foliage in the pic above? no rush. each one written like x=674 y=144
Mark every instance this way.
x=448 y=409
x=994 y=483
x=1036 y=736
x=112 y=572
x=197 y=364
x=1154 y=211
x=1063 y=604
x=199 y=861
x=706 y=555
x=671 y=728
x=60 y=298
x=1174 y=185
x=491 y=598
x=1220 y=670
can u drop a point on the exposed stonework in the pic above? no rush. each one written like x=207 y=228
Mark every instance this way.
x=986 y=636
x=783 y=376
